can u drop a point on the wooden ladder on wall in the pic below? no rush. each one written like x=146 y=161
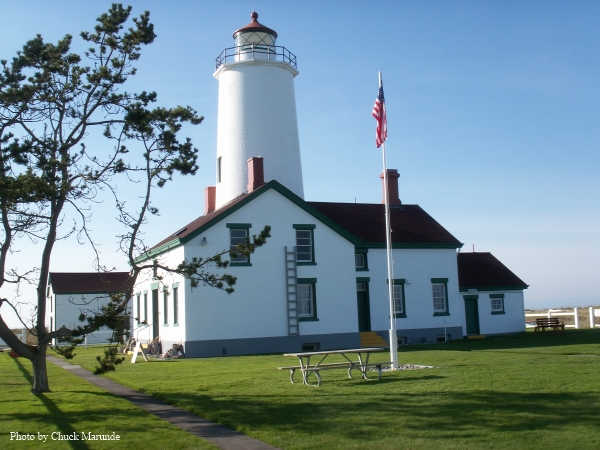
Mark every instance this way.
x=291 y=289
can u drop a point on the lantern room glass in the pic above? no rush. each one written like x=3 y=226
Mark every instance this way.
x=255 y=45
x=258 y=38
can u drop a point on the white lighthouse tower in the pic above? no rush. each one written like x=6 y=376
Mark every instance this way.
x=257 y=113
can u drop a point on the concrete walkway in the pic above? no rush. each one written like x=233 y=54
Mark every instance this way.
x=223 y=437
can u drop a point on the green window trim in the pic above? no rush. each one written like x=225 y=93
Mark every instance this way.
x=497 y=313
x=400 y=282
x=439 y=280
x=494 y=288
x=306 y=280
x=240 y=226
x=363 y=279
x=240 y=264
x=154 y=285
x=441 y=314
x=496 y=295
x=471 y=297
x=302 y=226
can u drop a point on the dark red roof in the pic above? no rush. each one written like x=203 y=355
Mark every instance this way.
x=361 y=223
x=482 y=269
x=87 y=282
x=409 y=223
x=203 y=220
x=254 y=26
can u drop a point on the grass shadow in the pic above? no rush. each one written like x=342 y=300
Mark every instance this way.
x=23 y=370
x=364 y=416
x=524 y=340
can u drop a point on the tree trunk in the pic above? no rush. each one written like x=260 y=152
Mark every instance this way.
x=40 y=374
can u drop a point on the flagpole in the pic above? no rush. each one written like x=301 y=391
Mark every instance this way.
x=388 y=238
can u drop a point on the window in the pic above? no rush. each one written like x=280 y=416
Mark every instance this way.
x=311 y=346
x=138 y=310
x=238 y=234
x=219 y=169
x=175 y=305
x=497 y=301
x=146 y=307
x=166 y=306
x=238 y=237
x=398 y=296
x=440 y=296
x=307 y=305
x=360 y=260
x=305 y=300
x=304 y=244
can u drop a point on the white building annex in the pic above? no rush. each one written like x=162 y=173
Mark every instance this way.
x=320 y=282
x=69 y=294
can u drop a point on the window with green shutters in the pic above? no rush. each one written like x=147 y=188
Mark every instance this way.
x=439 y=287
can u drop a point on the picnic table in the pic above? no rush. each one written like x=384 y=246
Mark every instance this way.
x=356 y=359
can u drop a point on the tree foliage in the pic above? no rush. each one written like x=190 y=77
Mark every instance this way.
x=50 y=101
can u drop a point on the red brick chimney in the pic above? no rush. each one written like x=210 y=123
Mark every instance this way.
x=392 y=179
x=209 y=199
x=256 y=173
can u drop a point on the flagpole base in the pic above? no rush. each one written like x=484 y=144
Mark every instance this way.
x=393 y=350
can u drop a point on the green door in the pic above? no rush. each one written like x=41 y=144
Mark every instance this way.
x=364 y=313
x=472 y=314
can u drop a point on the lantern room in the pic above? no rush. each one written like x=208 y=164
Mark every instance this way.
x=255 y=42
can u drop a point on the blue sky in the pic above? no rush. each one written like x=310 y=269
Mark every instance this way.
x=493 y=117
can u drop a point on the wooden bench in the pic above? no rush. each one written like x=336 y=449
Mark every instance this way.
x=362 y=368
x=548 y=322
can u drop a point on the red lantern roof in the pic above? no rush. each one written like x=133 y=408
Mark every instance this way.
x=254 y=26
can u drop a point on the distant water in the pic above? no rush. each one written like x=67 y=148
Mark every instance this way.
x=3 y=344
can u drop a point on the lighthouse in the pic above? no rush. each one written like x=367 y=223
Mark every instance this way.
x=257 y=113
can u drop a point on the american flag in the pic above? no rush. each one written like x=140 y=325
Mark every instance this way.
x=379 y=114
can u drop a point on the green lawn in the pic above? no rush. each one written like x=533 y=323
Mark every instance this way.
x=75 y=406
x=527 y=391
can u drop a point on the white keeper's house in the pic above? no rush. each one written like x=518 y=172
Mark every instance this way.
x=321 y=280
